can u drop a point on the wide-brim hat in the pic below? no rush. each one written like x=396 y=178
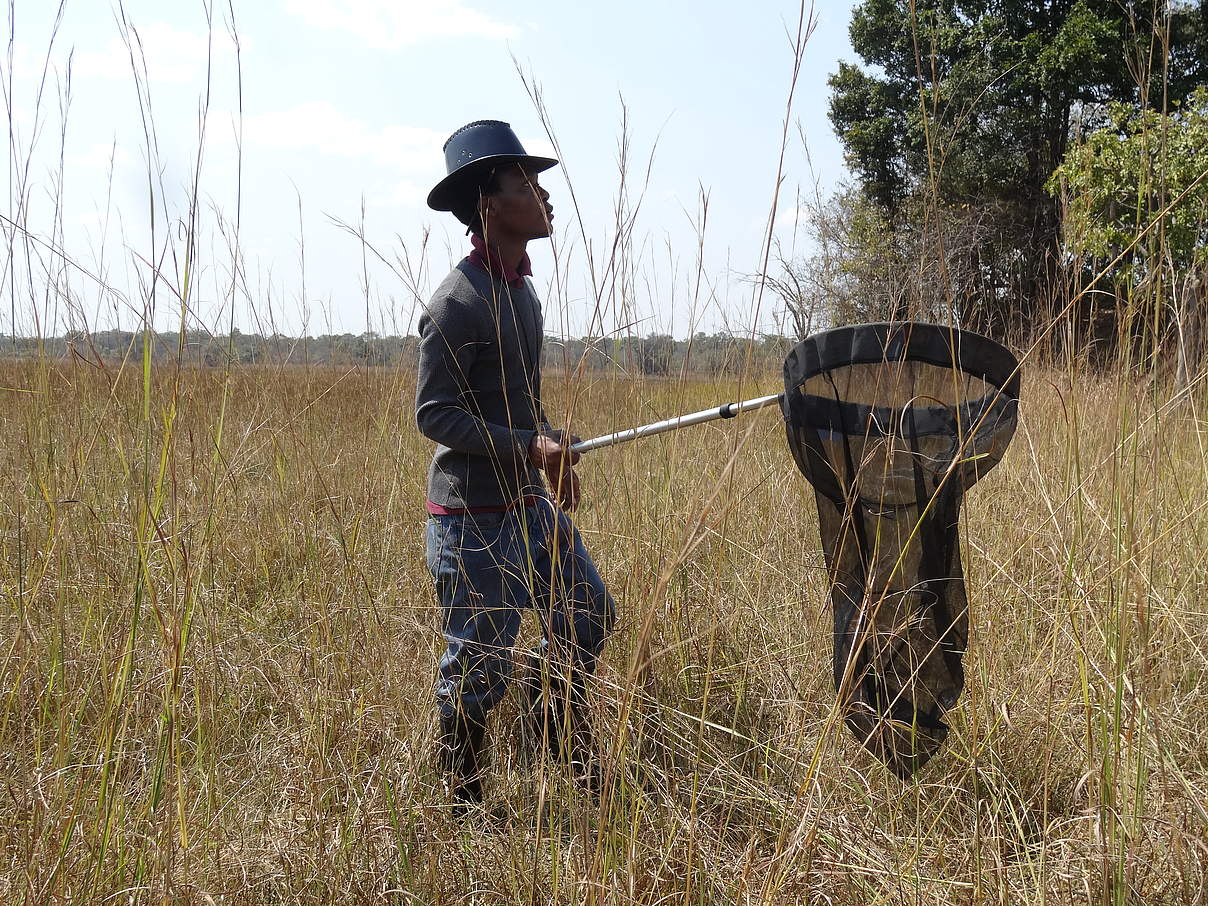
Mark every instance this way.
x=474 y=149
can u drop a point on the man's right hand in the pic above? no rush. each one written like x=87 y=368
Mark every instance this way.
x=551 y=452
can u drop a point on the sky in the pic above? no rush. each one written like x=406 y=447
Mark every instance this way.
x=310 y=131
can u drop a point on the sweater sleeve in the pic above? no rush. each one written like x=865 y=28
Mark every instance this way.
x=448 y=346
x=539 y=317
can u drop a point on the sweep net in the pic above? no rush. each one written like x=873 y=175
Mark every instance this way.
x=891 y=424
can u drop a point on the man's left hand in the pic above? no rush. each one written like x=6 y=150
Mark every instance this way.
x=566 y=488
x=551 y=452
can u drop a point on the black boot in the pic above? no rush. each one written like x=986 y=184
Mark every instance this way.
x=558 y=720
x=462 y=756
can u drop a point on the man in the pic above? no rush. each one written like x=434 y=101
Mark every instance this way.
x=496 y=541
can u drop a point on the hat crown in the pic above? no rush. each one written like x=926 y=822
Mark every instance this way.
x=481 y=138
x=471 y=152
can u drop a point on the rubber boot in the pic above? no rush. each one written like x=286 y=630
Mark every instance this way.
x=558 y=720
x=462 y=756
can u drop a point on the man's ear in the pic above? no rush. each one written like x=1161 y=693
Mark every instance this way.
x=485 y=207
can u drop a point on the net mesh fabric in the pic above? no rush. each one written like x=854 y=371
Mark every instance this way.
x=891 y=424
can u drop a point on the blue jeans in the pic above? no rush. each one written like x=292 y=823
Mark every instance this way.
x=488 y=567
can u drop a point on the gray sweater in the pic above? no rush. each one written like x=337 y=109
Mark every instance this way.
x=478 y=393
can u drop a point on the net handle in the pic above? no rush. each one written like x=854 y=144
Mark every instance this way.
x=729 y=410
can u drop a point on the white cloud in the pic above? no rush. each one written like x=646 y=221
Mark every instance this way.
x=391 y=24
x=98 y=157
x=26 y=64
x=404 y=194
x=321 y=126
x=540 y=147
x=789 y=217
x=172 y=55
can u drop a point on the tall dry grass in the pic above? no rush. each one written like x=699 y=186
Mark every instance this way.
x=220 y=638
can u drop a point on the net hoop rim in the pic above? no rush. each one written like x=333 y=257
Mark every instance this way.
x=881 y=342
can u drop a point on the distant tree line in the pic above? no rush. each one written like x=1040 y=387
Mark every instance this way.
x=200 y=348
x=661 y=354
x=654 y=354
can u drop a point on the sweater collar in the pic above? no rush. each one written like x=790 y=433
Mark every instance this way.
x=488 y=259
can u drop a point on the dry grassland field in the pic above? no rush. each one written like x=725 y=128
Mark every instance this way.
x=219 y=638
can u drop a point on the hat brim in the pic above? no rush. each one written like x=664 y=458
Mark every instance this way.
x=448 y=192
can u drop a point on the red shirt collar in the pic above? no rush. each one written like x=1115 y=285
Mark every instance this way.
x=488 y=259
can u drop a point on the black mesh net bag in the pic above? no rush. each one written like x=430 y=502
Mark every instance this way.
x=891 y=424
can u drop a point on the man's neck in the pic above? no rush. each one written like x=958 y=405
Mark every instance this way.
x=492 y=261
x=511 y=251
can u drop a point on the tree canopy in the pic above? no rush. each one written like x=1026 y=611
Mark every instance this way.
x=1143 y=168
x=973 y=104
x=976 y=96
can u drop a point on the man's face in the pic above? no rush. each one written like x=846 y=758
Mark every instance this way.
x=520 y=209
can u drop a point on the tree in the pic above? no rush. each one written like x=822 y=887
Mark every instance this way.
x=655 y=352
x=1121 y=178
x=969 y=104
x=1137 y=190
x=864 y=269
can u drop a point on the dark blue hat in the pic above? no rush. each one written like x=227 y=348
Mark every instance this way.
x=473 y=150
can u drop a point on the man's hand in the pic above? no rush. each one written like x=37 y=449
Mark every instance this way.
x=551 y=452
x=566 y=488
